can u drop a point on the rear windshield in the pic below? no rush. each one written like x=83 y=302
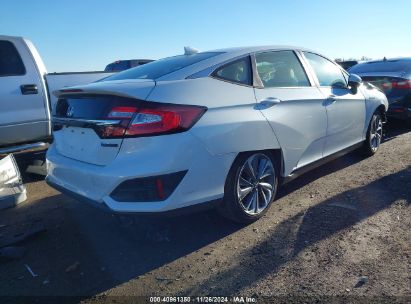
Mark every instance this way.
x=382 y=66
x=156 y=69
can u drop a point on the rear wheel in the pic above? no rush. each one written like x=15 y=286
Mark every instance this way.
x=374 y=135
x=250 y=187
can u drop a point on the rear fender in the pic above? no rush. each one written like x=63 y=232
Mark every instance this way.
x=243 y=129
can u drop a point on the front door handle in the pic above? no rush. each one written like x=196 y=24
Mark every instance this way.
x=27 y=89
x=269 y=101
x=331 y=99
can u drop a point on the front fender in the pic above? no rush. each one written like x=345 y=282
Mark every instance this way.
x=374 y=99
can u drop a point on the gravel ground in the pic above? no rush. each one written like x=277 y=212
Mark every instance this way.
x=338 y=233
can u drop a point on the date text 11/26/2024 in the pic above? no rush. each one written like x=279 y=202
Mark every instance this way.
x=235 y=299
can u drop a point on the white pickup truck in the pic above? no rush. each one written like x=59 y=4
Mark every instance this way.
x=26 y=101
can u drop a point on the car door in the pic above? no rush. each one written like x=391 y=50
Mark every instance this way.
x=23 y=115
x=345 y=108
x=293 y=106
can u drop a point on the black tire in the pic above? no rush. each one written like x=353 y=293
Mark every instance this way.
x=373 y=139
x=231 y=207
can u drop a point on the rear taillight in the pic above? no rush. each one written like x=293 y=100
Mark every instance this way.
x=397 y=84
x=404 y=84
x=164 y=119
x=151 y=119
x=122 y=112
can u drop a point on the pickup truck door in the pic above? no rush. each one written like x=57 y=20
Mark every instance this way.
x=292 y=105
x=345 y=108
x=24 y=113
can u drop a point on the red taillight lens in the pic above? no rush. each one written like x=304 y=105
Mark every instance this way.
x=161 y=119
x=404 y=84
x=122 y=112
x=152 y=119
x=398 y=110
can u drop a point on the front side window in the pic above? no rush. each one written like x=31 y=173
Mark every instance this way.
x=280 y=69
x=328 y=73
x=238 y=71
x=10 y=60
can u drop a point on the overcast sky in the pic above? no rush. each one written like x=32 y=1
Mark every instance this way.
x=81 y=35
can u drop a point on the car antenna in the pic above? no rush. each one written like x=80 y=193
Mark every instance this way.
x=188 y=50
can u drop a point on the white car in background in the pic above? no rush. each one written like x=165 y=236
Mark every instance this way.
x=225 y=126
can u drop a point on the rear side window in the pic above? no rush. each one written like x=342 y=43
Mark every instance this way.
x=238 y=71
x=328 y=73
x=159 y=68
x=10 y=60
x=280 y=69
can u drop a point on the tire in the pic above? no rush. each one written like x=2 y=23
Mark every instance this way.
x=250 y=187
x=374 y=135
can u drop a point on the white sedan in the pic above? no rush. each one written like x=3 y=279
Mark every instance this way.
x=221 y=128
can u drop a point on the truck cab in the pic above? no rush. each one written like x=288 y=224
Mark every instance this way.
x=24 y=102
x=26 y=99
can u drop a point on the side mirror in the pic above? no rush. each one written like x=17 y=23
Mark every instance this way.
x=354 y=82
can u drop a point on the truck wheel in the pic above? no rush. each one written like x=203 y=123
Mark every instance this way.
x=250 y=187
x=374 y=135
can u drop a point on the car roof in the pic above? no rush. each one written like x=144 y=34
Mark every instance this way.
x=394 y=67
x=397 y=59
x=253 y=49
x=225 y=55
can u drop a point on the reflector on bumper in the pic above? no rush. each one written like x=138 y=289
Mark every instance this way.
x=148 y=189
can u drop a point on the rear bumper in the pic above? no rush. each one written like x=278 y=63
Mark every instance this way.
x=402 y=113
x=103 y=207
x=203 y=182
x=76 y=196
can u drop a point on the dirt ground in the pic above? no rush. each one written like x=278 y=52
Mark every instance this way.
x=338 y=233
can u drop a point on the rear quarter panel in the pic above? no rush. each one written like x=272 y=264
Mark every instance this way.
x=232 y=123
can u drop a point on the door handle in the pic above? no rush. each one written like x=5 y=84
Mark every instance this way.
x=27 y=89
x=332 y=98
x=269 y=101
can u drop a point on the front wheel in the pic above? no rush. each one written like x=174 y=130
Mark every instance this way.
x=250 y=187
x=374 y=135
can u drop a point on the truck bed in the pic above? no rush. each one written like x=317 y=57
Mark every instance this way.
x=57 y=81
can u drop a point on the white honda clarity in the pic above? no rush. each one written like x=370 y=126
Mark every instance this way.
x=221 y=128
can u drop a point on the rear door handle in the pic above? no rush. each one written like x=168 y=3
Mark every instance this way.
x=27 y=89
x=269 y=101
x=332 y=98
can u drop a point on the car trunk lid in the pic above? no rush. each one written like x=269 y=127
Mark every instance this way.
x=89 y=120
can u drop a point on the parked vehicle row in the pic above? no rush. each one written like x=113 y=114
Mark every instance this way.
x=226 y=126
x=122 y=65
x=393 y=77
x=347 y=64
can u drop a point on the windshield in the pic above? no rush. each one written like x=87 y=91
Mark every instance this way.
x=158 y=68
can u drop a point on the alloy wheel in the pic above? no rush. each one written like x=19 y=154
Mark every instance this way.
x=255 y=184
x=375 y=133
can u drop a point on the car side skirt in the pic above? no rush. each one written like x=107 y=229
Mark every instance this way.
x=302 y=170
